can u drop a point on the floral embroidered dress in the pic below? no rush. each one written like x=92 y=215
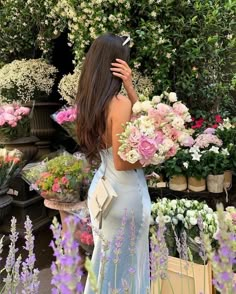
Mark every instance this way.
x=121 y=254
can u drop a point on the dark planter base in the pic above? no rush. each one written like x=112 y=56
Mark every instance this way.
x=34 y=208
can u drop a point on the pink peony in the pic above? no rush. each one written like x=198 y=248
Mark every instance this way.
x=147 y=147
x=8 y=109
x=9 y=117
x=22 y=111
x=2 y=120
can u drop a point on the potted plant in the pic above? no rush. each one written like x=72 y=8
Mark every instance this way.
x=31 y=82
x=196 y=170
x=217 y=161
x=176 y=170
x=14 y=121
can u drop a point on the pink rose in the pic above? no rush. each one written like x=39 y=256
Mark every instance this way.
x=147 y=147
x=56 y=188
x=155 y=114
x=172 y=151
x=64 y=180
x=9 y=117
x=134 y=136
x=159 y=137
x=162 y=109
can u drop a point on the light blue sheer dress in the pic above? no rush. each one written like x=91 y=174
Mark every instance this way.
x=123 y=265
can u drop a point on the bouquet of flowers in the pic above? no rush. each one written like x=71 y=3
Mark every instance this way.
x=84 y=234
x=14 y=121
x=61 y=178
x=156 y=131
x=10 y=164
x=66 y=117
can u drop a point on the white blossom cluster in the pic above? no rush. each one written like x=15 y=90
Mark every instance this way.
x=68 y=86
x=26 y=80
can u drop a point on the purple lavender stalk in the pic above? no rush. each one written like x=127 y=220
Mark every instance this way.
x=159 y=252
x=66 y=270
x=29 y=275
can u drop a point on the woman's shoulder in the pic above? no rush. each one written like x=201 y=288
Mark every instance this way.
x=120 y=101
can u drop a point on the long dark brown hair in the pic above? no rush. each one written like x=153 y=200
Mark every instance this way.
x=97 y=86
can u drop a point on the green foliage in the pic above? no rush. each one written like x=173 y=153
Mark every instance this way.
x=174 y=166
x=184 y=46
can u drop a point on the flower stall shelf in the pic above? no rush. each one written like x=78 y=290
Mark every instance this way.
x=31 y=82
x=184 y=277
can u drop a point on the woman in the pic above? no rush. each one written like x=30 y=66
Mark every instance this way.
x=102 y=112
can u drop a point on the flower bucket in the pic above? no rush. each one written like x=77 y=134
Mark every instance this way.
x=215 y=183
x=196 y=185
x=228 y=179
x=178 y=183
x=184 y=277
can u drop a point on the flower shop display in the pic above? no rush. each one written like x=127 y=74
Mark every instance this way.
x=61 y=178
x=156 y=131
x=182 y=215
x=14 y=121
x=26 y=80
x=66 y=117
x=10 y=165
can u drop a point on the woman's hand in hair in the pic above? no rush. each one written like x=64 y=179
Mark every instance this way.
x=121 y=69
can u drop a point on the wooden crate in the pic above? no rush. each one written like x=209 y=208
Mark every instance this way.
x=191 y=281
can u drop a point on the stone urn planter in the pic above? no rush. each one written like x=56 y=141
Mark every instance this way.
x=196 y=185
x=26 y=145
x=215 y=183
x=5 y=203
x=41 y=124
x=178 y=183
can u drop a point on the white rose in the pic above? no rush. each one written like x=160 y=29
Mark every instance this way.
x=133 y=156
x=180 y=217
x=193 y=221
x=137 y=107
x=146 y=105
x=174 y=221
x=167 y=219
x=156 y=99
x=172 y=97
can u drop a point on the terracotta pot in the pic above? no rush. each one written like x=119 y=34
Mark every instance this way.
x=178 y=183
x=41 y=124
x=196 y=185
x=228 y=179
x=215 y=183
